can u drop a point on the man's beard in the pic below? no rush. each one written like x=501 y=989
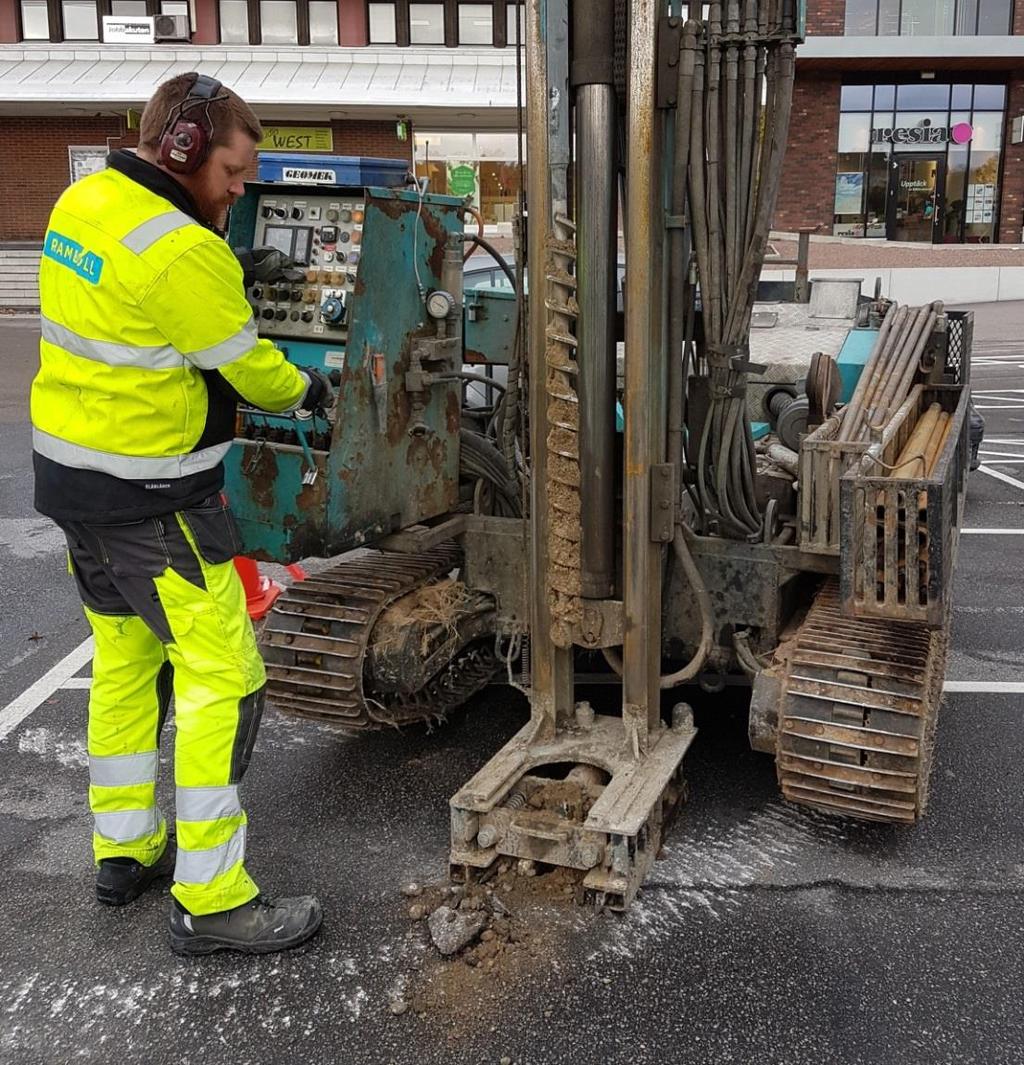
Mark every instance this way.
x=214 y=213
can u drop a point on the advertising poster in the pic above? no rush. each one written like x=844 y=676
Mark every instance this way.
x=83 y=160
x=464 y=179
x=849 y=192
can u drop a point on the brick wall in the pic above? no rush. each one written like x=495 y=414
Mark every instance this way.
x=1018 y=16
x=371 y=138
x=35 y=170
x=826 y=18
x=807 y=195
x=8 y=21
x=1011 y=210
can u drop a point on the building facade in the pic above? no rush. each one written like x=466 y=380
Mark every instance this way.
x=907 y=122
x=347 y=77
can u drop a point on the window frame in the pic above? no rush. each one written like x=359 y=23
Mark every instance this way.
x=499 y=24
x=55 y=18
x=256 y=25
x=957 y=5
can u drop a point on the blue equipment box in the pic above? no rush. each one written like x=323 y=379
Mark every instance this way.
x=350 y=170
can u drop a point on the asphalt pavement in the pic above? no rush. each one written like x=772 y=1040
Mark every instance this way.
x=765 y=934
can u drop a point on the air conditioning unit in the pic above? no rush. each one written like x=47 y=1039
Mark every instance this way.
x=171 y=28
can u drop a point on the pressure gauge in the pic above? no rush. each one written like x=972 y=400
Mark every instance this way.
x=440 y=304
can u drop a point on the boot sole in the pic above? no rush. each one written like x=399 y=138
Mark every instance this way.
x=199 y=945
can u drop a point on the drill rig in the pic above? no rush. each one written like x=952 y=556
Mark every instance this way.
x=535 y=532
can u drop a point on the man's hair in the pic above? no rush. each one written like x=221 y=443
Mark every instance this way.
x=221 y=117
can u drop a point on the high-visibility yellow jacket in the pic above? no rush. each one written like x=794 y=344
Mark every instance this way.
x=142 y=309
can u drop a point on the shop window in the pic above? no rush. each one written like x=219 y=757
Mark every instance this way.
x=956 y=196
x=981 y=203
x=854 y=133
x=877 y=193
x=80 y=20
x=989 y=97
x=927 y=18
x=279 y=23
x=987 y=131
x=922 y=96
x=445 y=22
x=962 y=96
x=512 y=11
x=382 y=23
x=426 y=23
x=481 y=165
x=885 y=97
x=234 y=22
x=848 y=207
x=861 y=18
x=128 y=8
x=855 y=98
x=323 y=22
x=994 y=16
x=35 y=20
x=476 y=24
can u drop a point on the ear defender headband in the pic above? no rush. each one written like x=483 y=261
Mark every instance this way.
x=185 y=142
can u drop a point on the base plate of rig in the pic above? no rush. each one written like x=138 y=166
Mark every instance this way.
x=584 y=798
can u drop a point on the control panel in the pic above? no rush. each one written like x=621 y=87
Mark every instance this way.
x=322 y=235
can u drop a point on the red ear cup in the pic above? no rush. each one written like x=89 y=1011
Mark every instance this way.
x=183 y=147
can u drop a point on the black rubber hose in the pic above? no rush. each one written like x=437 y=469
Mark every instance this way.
x=493 y=253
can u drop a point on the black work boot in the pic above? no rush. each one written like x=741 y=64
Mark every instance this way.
x=261 y=926
x=122 y=880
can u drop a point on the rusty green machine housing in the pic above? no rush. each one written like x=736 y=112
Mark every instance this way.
x=353 y=307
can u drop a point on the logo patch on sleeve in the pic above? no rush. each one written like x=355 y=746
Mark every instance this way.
x=71 y=254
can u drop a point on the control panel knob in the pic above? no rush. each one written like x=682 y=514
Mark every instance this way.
x=307 y=316
x=332 y=310
x=267 y=212
x=281 y=212
x=257 y=293
x=296 y=212
x=271 y=293
x=267 y=312
x=332 y=214
x=294 y=316
x=280 y=314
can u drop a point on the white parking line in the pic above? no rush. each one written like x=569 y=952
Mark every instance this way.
x=1000 y=476
x=32 y=698
x=77 y=682
x=982 y=532
x=991 y=687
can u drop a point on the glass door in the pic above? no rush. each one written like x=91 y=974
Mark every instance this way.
x=916 y=195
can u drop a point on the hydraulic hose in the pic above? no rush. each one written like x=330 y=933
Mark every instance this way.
x=493 y=253
x=707 y=633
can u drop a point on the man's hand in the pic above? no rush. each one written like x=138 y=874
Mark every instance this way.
x=320 y=394
x=265 y=265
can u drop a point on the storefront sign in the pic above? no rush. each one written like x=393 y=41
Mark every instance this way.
x=297 y=139
x=960 y=133
x=307 y=175
x=120 y=29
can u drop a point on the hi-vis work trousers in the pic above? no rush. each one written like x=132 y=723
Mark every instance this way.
x=167 y=610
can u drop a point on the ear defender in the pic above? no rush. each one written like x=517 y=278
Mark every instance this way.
x=185 y=143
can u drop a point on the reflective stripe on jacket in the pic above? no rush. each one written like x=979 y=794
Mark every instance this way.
x=140 y=307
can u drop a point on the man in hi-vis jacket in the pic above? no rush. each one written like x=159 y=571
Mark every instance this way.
x=147 y=344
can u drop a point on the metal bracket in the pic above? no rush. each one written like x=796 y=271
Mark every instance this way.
x=662 y=503
x=601 y=624
x=670 y=34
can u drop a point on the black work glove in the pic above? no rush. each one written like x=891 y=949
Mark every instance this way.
x=266 y=265
x=320 y=395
